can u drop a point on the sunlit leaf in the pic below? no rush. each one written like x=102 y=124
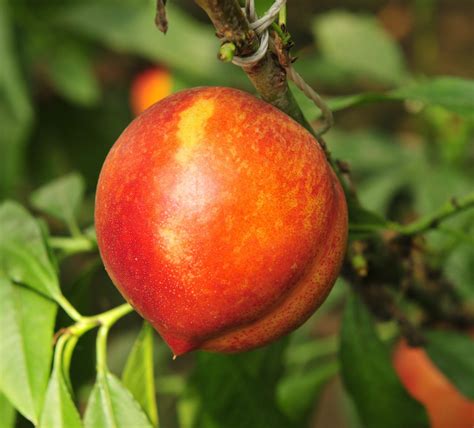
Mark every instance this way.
x=138 y=375
x=7 y=412
x=59 y=410
x=111 y=405
x=26 y=343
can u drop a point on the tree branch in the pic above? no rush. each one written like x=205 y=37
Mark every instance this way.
x=267 y=75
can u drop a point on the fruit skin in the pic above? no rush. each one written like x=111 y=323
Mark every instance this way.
x=445 y=405
x=149 y=87
x=220 y=220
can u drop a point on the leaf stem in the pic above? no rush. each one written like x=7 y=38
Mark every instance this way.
x=68 y=308
x=72 y=245
x=107 y=320
x=101 y=349
x=74 y=227
x=58 y=352
x=83 y=324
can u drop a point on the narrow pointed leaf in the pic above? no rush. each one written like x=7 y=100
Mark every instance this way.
x=26 y=337
x=138 y=375
x=111 y=405
x=59 y=410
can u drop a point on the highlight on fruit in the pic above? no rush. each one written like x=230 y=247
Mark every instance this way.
x=220 y=220
x=149 y=87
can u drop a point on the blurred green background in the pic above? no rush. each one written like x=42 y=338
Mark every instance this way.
x=66 y=68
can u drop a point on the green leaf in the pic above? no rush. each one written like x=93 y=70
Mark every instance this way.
x=61 y=198
x=297 y=392
x=59 y=410
x=70 y=70
x=26 y=337
x=453 y=354
x=358 y=43
x=111 y=405
x=138 y=375
x=251 y=401
x=452 y=93
x=7 y=412
x=459 y=266
x=16 y=112
x=128 y=26
x=369 y=376
x=24 y=257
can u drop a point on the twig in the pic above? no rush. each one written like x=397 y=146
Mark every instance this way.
x=160 y=19
x=431 y=221
x=267 y=75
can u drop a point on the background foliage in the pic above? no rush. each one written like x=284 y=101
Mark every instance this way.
x=395 y=73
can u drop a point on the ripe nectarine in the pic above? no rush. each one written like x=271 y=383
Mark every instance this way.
x=445 y=405
x=220 y=220
x=149 y=87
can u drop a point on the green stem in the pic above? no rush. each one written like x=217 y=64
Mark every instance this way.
x=107 y=320
x=58 y=352
x=72 y=245
x=67 y=356
x=101 y=346
x=68 y=308
x=282 y=16
x=74 y=228
x=67 y=341
x=431 y=221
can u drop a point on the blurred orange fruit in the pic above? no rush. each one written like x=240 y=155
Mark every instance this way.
x=446 y=406
x=149 y=87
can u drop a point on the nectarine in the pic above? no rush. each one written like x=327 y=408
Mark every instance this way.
x=220 y=220
x=445 y=405
x=149 y=87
